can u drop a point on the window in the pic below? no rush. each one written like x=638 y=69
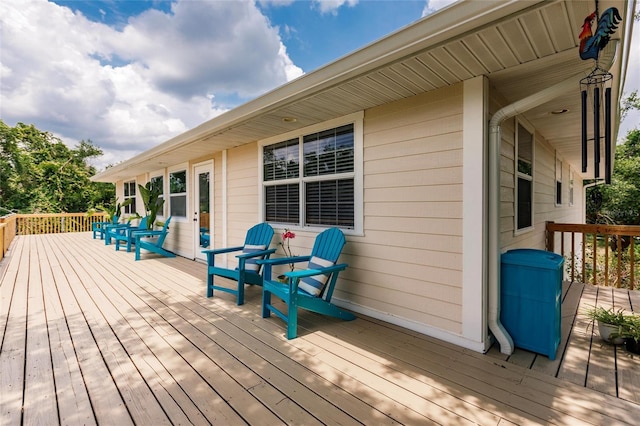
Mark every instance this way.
x=558 y=181
x=130 y=194
x=313 y=179
x=178 y=193
x=570 y=187
x=158 y=182
x=524 y=178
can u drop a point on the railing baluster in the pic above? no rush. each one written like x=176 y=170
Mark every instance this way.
x=595 y=258
x=573 y=256
x=46 y=223
x=606 y=259
x=584 y=263
x=618 y=240
x=632 y=265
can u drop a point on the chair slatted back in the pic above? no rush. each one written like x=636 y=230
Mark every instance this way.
x=165 y=231
x=329 y=244
x=260 y=234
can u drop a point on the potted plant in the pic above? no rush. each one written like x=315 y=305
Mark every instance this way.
x=611 y=323
x=150 y=195
x=114 y=211
x=631 y=334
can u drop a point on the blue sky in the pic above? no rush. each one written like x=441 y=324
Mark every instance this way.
x=130 y=74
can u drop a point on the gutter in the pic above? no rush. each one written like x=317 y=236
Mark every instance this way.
x=495 y=140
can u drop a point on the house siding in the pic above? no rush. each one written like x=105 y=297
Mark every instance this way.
x=241 y=196
x=544 y=197
x=408 y=264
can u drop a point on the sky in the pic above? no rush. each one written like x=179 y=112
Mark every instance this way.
x=130 y=74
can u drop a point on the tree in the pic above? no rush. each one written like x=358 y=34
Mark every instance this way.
x=620 y=201
x=40 y=174
x=630 y=102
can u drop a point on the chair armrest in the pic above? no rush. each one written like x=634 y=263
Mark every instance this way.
x=222 y=250
x=295 y=276
x=110 y=226
x=131 y=229
x=283 y=260
x=268 y=263
x=256 y=254
x=140 y=234
x=311 y=272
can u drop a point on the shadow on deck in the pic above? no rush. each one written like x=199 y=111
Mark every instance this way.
x=111 y=340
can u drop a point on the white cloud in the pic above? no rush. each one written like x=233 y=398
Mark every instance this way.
x=130 y=88
x=275 y=3
x=435 y=5
x=332 y=6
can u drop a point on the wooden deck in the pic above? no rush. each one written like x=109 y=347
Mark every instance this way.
x=113 y=341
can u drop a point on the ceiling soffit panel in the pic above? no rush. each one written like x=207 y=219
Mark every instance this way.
x=484 y=55
x=517 y=41
x=452 y=64
x=472 y=64
x=536 y=25
x=406 y=78
x=438 y=69
x=417 y=67
x=561 y=35
x=394 y=87
x=502 y=52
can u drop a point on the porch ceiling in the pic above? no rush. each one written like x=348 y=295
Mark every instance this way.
x=522 y=47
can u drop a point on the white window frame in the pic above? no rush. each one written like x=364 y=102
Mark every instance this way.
x=558 y=181
x=158 y=174
x=126 y=210
x=358 y=143
x=517 y=174
x=184 y=167
x=570 y=187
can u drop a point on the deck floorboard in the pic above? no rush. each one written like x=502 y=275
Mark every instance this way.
x=90 y=336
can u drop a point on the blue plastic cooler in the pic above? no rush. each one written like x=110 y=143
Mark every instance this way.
x=531 y=293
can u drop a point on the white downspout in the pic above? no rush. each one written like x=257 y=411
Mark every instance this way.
x=607 y=58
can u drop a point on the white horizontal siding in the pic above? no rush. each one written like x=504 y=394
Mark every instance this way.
x=408 y=264
x=544 y=196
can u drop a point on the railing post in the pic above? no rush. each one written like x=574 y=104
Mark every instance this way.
x=549 y=237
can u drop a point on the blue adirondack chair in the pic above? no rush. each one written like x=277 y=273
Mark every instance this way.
x=99 y=228
x=125 y=233
x=153 y=240
x=311 y=288
x=256 y=246
x=205 y=237
x=109 y=230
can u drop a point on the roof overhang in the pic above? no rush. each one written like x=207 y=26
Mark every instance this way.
x=521 y=46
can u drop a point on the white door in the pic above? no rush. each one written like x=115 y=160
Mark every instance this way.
x=202 y=216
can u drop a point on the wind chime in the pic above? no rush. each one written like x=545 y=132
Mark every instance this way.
x=597 y=87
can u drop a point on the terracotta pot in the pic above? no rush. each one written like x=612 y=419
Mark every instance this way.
x=605 y=331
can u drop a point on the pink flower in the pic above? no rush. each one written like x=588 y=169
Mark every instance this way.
x=287 y=235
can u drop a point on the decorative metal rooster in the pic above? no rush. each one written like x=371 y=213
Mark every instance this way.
x=591 y=44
